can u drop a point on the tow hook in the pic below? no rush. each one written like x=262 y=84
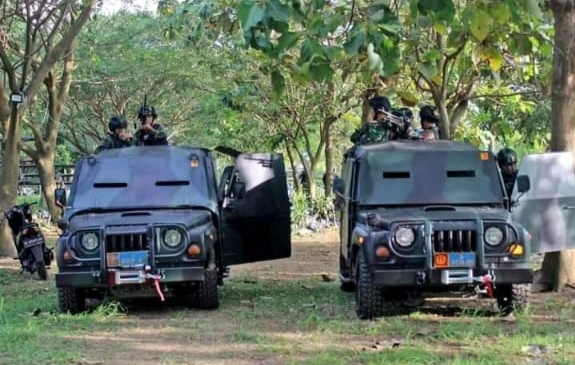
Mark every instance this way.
x=420 y=278
x=156 y=278
x=488 y=280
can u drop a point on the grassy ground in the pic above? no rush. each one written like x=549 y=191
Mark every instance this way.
x=28 y=199
x=279 y=312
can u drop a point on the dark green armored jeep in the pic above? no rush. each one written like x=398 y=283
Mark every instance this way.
x=420 y=217
x=155 y=221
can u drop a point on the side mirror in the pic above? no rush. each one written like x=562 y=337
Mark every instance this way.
x=523 y=184
x=338 y=186
x=63 y=224
x=60 y=197
x=238 y=189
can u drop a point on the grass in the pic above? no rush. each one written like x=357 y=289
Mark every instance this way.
x=21 y=199
x=274 y=320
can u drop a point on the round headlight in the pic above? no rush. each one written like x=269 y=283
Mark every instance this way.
x=404 y=237
x=90 y=241
x=493 y=236
x=172 y=238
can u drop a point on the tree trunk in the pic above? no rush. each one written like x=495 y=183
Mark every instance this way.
x=329 y=158
x=295 y=176
x=47 y=174
x=9 y=179
x=559 y=268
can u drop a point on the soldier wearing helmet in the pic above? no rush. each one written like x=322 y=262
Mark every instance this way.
x=118 y=136
x=507 y=161
x=150 y=133
x=375 y=130
x=429 y=121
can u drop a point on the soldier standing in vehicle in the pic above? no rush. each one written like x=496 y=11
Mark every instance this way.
x=373 y=131
x=507 y=161
x=150 y=133
x=118 y=136
x=429 y=124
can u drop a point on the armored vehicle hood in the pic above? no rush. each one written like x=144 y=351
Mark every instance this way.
x=436 y=213
x=188 y=218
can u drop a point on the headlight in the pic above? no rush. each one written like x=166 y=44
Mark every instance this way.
x=404 y=237
x=493 y=236
x=90 y=241
x=172 y=238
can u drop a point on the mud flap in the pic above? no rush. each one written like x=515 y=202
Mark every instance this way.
x=38 y=254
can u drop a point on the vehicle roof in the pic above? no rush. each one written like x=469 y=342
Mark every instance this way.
x=150 y=151
x=416 y=146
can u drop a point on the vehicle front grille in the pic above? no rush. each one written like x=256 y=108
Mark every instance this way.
x=454 y=241
x=127 y=242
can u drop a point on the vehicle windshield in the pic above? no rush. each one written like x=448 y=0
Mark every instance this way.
x=428 y=177
x=148 y=179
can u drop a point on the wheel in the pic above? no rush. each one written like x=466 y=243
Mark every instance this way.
x=206 y=294
x=512 y=297
x=346 y=281
x=71 y=300
x=42 y=272
x=368 y=298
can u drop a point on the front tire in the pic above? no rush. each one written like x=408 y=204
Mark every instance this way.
x=206 y=294
x=512 y=298
x=71 y=300
x=368 y=298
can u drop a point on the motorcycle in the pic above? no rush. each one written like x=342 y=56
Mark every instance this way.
x=30 y=243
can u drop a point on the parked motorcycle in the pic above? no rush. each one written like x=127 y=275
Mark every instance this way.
x=30 y=243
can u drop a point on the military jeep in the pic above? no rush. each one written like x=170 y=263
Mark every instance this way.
x=155 y=221
x=427 y=217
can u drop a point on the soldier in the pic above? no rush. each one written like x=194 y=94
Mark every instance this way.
x=507 y=161
x=429 y=122
x=150 y=133
x=373 y=131
x=118 y=136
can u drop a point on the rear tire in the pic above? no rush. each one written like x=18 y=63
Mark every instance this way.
x=42 y=272
x=368 y=298
x=512 y=298
x=71 y=300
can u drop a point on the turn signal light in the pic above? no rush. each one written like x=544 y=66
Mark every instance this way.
x=516 y=250
x=382 y=252
x=194 y=250
x=441 y=260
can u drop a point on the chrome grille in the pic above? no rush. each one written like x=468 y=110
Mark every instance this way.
x=127 y=242
x=454 y=241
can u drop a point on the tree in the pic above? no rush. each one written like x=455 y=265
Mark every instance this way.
x=559 y=267
x=48 y=29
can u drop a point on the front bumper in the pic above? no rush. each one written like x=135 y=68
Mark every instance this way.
x=98 y=279
x=431 y=277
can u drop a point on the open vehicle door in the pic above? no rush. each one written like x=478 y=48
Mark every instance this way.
x=547 y=209
x=255 y=209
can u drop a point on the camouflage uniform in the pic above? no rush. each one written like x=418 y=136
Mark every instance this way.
x=113 y=141
x=159 y=138
x=369 y=133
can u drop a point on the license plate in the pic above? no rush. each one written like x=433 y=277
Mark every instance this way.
x=461 y=259
x=31 y=242
x=131 y=259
